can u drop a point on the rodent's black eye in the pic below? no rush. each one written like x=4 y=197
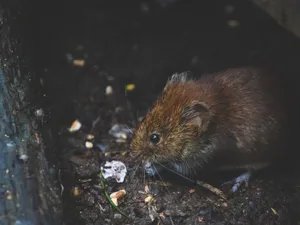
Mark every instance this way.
x=154 y=138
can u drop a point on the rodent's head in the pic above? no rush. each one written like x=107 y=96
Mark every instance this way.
x=171 y=131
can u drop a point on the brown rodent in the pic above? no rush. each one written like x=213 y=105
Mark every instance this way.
x=231 y=119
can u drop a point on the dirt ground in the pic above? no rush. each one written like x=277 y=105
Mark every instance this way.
x=83 y=49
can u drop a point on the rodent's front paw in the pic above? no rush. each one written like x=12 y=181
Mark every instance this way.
x=149 y=169
x=238 y=181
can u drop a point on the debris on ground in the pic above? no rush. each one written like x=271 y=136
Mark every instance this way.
x=114 y=169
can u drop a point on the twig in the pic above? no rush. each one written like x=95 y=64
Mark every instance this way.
x=214 y=190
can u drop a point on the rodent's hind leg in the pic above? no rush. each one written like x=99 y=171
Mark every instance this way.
x=238 y=181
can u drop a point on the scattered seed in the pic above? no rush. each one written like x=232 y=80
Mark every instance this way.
x=108 y=90
x=130 y=87
x=88 y=144
x=191 y=191
x=148 y=199
x=76 y=125
x=9 y=197
x=79 y=62
x=115 y=201
x=90 y=137
x=117 y=195
x=124 y=136
x=120 y=131
x=274 y=211
x=75 y=191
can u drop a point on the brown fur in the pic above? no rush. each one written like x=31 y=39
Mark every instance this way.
x=233 y=118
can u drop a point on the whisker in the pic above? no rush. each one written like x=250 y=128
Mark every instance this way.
x=144 y=179
x=161 y=179
x=173 y=171
x=199 y=183
x=167 y=159
x=128 y=129
x=135 y=170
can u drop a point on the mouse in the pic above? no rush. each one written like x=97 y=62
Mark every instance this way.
x=232 y=119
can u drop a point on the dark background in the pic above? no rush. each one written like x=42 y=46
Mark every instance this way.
x=143 y=43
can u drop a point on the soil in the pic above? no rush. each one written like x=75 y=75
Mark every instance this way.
x=142 y=43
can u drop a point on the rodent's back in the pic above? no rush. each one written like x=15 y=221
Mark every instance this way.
x=254 y=109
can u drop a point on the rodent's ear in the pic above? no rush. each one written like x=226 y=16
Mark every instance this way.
x=197 y=114
x=178 y=78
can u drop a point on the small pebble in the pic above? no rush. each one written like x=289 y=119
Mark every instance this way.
x=168 y=212
x=39 y=112
x=23 y=157
x=251 y=204
x=117 y=216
